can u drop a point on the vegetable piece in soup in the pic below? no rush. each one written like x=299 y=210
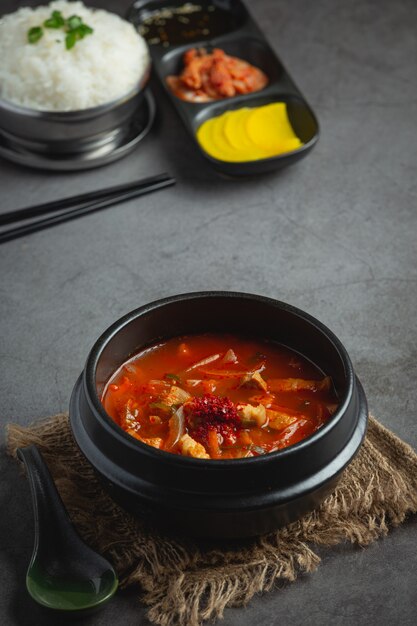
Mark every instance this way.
x=219 y=397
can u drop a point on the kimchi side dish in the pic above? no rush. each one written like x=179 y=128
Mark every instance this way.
x=219 y=397
x=209 y=76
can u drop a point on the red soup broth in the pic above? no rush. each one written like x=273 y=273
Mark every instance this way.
x=219 y=396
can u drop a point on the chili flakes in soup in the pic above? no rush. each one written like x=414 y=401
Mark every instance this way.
x=219 y=396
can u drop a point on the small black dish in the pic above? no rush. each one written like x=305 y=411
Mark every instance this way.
x=218 y=498
x=240 y=36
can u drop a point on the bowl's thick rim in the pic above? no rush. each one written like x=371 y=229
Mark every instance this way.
x=47 y=115
x=89 y=383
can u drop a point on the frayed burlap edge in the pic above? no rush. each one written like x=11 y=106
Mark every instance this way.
x=187 y=583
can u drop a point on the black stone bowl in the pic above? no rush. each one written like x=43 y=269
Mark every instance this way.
x=218 y=498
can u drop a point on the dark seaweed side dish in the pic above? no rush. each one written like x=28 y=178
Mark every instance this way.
x=172 y=25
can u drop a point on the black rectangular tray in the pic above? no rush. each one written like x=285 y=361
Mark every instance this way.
x=245 y=40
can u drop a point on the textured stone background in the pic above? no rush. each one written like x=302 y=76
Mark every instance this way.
x=335 y=235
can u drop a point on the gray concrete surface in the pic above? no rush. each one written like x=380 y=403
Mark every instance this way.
x=335 y=235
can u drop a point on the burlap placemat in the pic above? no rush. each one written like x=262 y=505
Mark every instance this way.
x=187 y=583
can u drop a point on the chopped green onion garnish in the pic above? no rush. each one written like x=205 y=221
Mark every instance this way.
x=74 y=22
x=173 y=377
x=34 y=34
x=85 y=30
x=55 y=21
x=73 y=26
x=70 y=40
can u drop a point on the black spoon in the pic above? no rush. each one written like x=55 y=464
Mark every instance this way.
x=64 y=573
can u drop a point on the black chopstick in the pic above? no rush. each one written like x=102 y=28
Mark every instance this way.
x=58 y=205
x=90 y=207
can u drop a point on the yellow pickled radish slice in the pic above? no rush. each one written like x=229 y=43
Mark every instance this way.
x=235 y=130
x=217 y=145
x=225 y=149
x=218 y=134
x=269 y=128
x=212 y=138
x=248 y=134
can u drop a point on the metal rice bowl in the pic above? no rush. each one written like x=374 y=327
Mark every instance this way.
x=69 y=132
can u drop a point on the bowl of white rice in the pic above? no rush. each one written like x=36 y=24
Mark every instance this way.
x=71 y=77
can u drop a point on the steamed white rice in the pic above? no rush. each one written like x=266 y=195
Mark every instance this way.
x=102 y=67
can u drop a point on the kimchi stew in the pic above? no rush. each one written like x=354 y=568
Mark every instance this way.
x=219 y=397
